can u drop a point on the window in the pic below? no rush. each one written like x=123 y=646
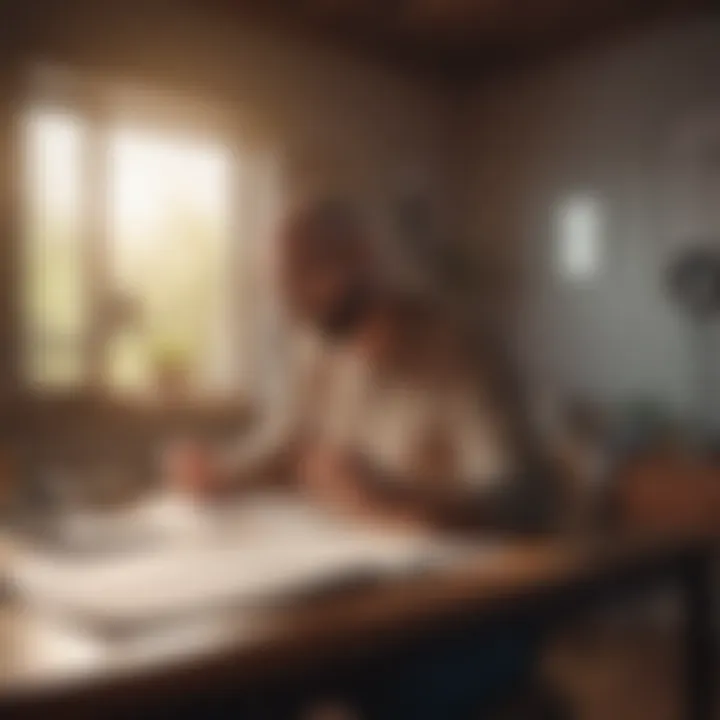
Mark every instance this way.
x=578 y=237
x=168 y=255
x=129 y=276
x=54 y=303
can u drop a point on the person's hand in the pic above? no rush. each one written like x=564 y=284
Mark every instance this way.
x=327 y=477
x=332 y=479
x=192 y=469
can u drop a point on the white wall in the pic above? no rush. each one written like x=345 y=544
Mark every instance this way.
x=603 y=121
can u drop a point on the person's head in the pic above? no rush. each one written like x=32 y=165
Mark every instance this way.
x=326 y=264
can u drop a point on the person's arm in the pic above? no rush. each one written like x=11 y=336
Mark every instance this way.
x=269 y=454
x=264 y=457
x=462 y=475
x=442 y=505
x=522 y=501
x=351 y=484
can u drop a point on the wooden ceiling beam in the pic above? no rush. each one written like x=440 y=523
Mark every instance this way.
x=447 y=37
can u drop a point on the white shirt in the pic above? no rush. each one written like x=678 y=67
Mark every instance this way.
x=332 y=393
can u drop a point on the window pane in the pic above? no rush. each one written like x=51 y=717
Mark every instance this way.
x=53 y=289
x=579 y=237
x=170 y=262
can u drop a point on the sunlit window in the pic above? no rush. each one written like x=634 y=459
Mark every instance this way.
x=145 y=291
x=56 y=317
x=169 y=251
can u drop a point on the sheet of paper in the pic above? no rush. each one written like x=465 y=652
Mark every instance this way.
x=256 y=553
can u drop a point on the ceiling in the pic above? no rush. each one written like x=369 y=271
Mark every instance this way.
x=457 y=37
x=455 y=34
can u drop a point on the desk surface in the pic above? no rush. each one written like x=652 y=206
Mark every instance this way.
x=38 y=665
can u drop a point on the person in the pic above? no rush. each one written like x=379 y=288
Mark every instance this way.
x=393 y=415
x=391 y=411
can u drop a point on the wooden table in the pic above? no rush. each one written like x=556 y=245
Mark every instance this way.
x=271 y=651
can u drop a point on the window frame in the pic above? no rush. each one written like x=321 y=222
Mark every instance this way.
x=103 y=104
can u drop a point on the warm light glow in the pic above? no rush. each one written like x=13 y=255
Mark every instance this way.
x=168 y=215
x=149 y=172
x=53 y=144
x=163 y=259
